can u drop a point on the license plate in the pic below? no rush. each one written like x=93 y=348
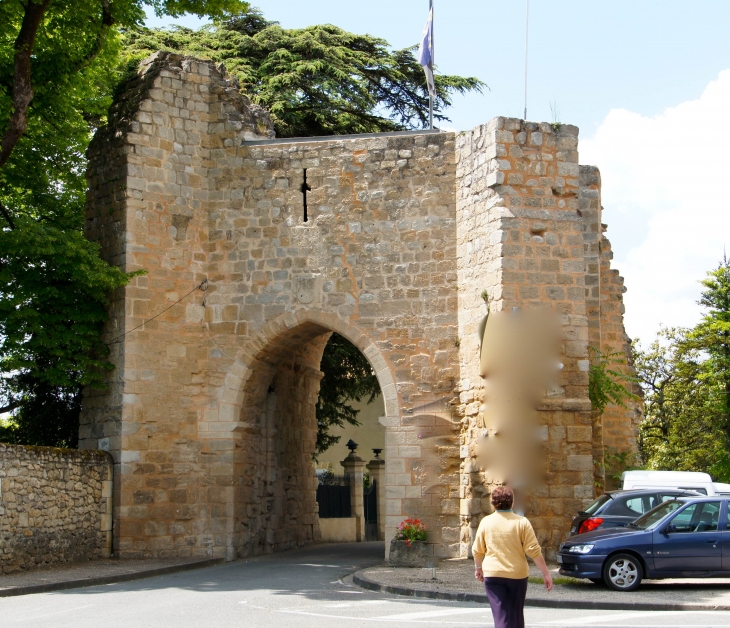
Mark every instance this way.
x=560 y=559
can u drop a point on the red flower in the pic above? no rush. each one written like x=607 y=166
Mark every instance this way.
x=410 y=530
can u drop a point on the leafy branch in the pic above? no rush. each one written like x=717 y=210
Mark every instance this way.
x=348 y=376
x=606 y=383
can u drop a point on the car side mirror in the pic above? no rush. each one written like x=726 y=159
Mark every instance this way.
x=670 y=527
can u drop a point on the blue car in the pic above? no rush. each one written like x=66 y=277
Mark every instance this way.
x=686 y=537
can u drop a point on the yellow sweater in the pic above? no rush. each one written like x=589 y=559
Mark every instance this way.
x=503 y=538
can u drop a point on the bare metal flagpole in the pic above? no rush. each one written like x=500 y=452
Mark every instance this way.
x=527 y=33
x=430 y=95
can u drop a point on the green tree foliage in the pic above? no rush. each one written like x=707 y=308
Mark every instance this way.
x=46 y=415
x=319 y=80
x=712 y=338
x=55 y=62
x=348 y=376
x=685 y=374
x=58 y=69
x=680 y=430
x=52 y=306
x=607 y=384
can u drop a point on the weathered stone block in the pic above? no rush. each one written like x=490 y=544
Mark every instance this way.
x=580 y=463
x=413 y=554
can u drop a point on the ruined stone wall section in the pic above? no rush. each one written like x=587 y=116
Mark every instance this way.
x=480 y=240
x=591 y=211
x=55 y=506
x=106 y=220
x=620 y=425
x=614 y=431
x=538 y=237
x=149 y=418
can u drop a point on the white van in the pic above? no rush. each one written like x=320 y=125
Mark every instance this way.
x=686 y=480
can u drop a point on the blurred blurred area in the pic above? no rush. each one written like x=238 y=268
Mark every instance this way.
x=519 y=361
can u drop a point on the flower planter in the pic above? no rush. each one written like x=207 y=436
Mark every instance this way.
x=418 y=554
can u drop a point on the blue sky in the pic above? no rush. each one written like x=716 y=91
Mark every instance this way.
x=589 y=56
x=642 y=79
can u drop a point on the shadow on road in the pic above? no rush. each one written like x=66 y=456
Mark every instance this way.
x=312 y=571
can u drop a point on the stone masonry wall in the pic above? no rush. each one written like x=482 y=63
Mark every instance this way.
x=591 y=210
x=522 y=238
x=479 y=264
x=377 y=251
x=619 y=425
x=55 y=506
x=188 y=413
x=275 y=504
x=615 y=430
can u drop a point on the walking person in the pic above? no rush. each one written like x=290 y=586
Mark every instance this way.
x=502 y=541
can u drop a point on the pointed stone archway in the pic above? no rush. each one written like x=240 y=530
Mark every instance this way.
x=267 y=406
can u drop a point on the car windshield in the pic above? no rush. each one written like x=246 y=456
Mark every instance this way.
x=597 y=504
x=661 y=511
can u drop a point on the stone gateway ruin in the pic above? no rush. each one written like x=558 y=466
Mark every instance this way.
x=406 y=240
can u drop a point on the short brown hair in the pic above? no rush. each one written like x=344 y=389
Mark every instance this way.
x=502 y=498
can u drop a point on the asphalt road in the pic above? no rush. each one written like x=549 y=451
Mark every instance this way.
x=305 y=588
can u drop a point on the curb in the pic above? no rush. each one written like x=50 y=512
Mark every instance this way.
x=100 y=580
x=364 y=583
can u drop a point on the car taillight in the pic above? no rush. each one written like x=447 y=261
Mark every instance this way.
x=590 y=524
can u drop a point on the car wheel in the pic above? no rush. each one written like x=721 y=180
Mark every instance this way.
x=622 y=572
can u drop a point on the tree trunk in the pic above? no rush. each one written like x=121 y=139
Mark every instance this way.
x=22 y=86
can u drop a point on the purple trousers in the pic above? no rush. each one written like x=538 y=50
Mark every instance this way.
x=507 y=599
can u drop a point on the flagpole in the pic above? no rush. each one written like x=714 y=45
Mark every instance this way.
x=430 y=96
x=527 y=32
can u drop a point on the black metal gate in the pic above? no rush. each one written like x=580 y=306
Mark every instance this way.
x=370 y=499
x=333 y=497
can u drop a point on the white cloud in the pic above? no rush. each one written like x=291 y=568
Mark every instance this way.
x=667 y=204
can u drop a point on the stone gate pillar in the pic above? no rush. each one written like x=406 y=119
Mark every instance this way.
x=376 y=468
x=354 y=466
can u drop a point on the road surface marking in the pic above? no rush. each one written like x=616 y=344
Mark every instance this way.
x=356 y=603
x=396 y=618
x=443 y=612
x=623 y=615
x=67 y=610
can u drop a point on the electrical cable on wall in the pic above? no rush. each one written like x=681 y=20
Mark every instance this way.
x=206 y=327
x=203 y=285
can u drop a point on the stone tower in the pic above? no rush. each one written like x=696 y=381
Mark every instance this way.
x=209 y=414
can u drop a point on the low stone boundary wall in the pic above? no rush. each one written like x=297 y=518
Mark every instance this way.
x=55 y=506
x=341 y=530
